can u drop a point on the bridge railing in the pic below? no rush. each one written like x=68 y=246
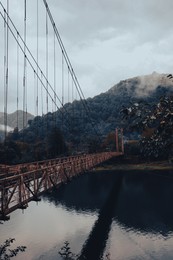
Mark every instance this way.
x=25 y=182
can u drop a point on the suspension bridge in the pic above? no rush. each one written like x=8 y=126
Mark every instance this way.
x=38 y=75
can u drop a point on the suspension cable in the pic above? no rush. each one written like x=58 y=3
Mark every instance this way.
x=35 y=95
x=47 y=61
x=68 y=85
x=5 y=65
x=54 y=71
x=6 y=42
x=37 y=56
x=30 y=63
x=37 y=65
x=76 y=82
x=24 y=68
x=17 y=83
x=42 y=94
x=62 y=78
x=54 y=68
x=70 y=68
x=62 y=90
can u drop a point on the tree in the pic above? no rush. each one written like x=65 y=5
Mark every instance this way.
x=6 y=253
x=155 y=124
x=56 y=143
x=66 y=253
x=110 y=142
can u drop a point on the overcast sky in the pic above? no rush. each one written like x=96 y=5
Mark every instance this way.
x=106 y=40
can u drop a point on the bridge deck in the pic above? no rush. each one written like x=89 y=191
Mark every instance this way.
x=22 y=183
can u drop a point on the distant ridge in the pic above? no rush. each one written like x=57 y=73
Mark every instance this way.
x=12 y=119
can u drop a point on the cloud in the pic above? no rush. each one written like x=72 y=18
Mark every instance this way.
x=2 y=128
x=106 y=40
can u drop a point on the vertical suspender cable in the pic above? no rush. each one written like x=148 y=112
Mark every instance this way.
x=62 y=85
x=47 y=74
x=72 y=97
x=72 y=113
x=62 y=97
x=5 y=60
x=68 y=85
x=76 y=83
x=17 y=82
x=55 y=78
x=42 y=130
x=62 y=78
x=26 y=95
x=37 y=73
x=35 y=88
x=24 y=69
x=7 y=66
x=37 y=60
x=42 y=93
x=6 y=34
x=47 y=71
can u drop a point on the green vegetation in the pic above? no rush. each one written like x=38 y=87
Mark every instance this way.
x=155 y=124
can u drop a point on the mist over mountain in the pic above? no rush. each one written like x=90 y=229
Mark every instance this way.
x=105 y=108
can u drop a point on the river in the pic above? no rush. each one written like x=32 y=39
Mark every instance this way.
x=106 y=214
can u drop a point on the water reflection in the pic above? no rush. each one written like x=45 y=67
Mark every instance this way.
x=128 y=215
x=87 y=193
x=145 y=205
x=96 y=242
x=144 y=200
x=137 y=203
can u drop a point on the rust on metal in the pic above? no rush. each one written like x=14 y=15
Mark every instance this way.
x=22 y=183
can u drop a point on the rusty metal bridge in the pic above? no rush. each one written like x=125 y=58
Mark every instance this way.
x=47 y=95
x=22 y=183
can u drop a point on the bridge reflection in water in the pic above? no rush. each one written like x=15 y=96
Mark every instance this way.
x=138 y=202
x=138 y=218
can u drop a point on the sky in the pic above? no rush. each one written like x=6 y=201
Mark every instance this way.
x=106 y=41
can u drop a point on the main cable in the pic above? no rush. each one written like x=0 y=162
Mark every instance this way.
x=29 y=62
x=24 y=68
x=69 y=65
x=37 y=65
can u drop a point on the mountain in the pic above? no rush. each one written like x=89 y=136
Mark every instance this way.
x=103 y=111
x=105 y=108
x=12 y=119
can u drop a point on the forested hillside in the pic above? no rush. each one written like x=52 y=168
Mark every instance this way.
x=102 y=114
x=85 y=125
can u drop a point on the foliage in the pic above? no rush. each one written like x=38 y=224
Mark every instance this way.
x=93 y=145
x=132 y=148
x=66 y=254
x=27 y=145
x=9 y=151
x=110 y=142
x=7 y=253
x=56 y=143
x=155 y=124
x=77 y=127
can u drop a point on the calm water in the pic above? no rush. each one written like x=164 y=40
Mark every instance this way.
x=128 y=216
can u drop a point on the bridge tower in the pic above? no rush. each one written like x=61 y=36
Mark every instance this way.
x=119 y=141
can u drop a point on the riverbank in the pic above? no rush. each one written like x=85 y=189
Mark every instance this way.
x=129 y=164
